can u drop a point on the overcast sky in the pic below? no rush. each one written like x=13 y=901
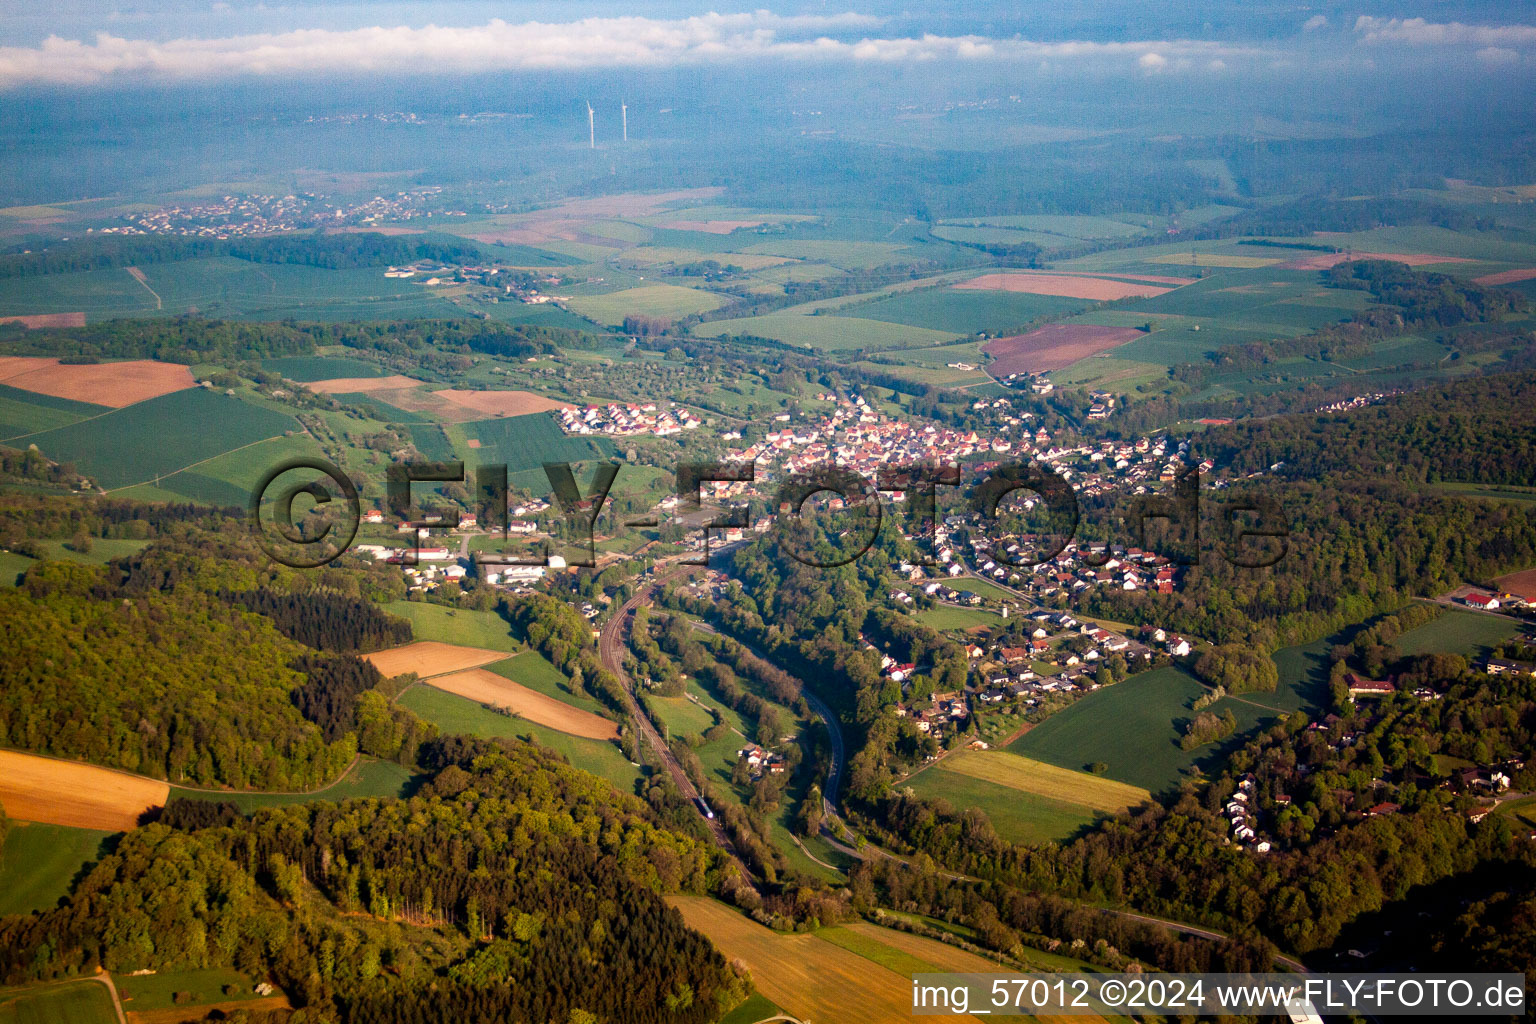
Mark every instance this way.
x=74 y=44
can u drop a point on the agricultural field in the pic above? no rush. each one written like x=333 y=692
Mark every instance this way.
x=161 y=436
x=114 y=385
x=1027 y=801
x=533 y=671
x=429 y=658
x=682 y=716
x=305 y=369
x=844 y=255
x=1083 y=287
x=231 y=478
x=369 y=777
x=1074 y=226
x=55 y=792
x=527 y=442
x=827 y=333
x=225 y=287
x=1473 y=634
x=73 y=1002
x=945 y=617
x=1133 y=727
x=1053 y=347
x=859 y=972
x=463 y=627
x=26 y=412
x=484 y=687
x=206 y=986
x=454 y=714
x=962 y=311
x=38 y=863
x=669 y=301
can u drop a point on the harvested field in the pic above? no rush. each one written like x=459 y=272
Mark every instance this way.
x=1521 y=584
x=53 y=792
x=1228 y=261
x=46 y=320
x=366 y=385
x=499 y=403
x=1072 y=286
x=431 y=658
x=1053 y=347
x=1324 y=260
x=1506 y=277
x=484 y=687
x=1047 y=780
x=808 y=977
x=114 y=385
x=713 y=227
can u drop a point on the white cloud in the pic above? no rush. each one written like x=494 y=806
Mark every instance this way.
x=1418 y=32
x=540 y=46
x=1498 y=55
x=1314 y=23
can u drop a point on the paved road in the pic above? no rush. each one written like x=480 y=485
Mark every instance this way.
x=610 y=646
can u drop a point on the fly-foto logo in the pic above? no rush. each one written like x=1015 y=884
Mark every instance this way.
x=1180 y=524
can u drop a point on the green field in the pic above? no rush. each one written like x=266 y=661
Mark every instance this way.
x=682 y=716
x=162 y=436
x=847 y=255
x=1071 y=225
x=827 y=332
x=12 y=566
x=527 y=442
x=76 y=1002
x=27 y=412
x=430 y=440
x=158 y=991
x=454 y=714
x=225 y=287
x=1018 y=817
x=38 y=863
x=660 y=300
x=754 y=1008
x=231 y=478
x=948 y=617
x=103 y=550
x=462 y=626
x=370 y=778
x=1134 y=727
x=1027 y=801
x=537 y=673
x=963 y=311
x=1473 y=634
x=306 y=369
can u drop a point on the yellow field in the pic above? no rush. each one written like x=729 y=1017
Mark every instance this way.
x=1030 y=776
x=41 y=789
x=484 y=687
x=1214 y=259
x=431 y=658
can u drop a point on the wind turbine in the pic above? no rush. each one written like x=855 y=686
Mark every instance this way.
x=624 y=114
x=591 y=127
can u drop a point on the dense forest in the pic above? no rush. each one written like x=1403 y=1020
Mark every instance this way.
x=315 y=249
x=511 y=887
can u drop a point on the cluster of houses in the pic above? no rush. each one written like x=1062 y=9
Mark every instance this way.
x=260 y=214
x=1077 y=568
x=1485 y=601
x=933 y=720
x=628 y=419
x=1243 y=817
x=761 y=762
